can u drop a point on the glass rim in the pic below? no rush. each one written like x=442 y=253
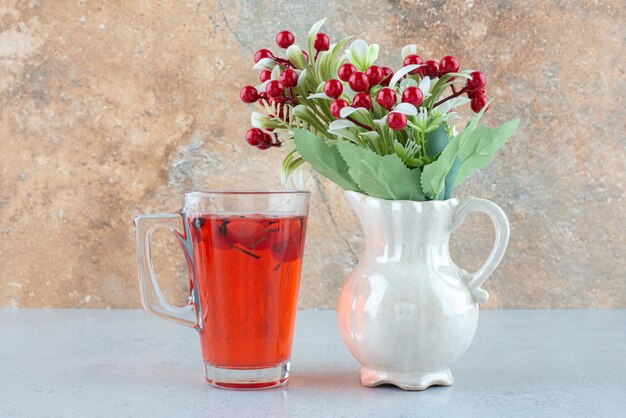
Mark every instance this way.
x=245 y=192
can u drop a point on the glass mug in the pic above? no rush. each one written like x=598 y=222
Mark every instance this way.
x=244 y=255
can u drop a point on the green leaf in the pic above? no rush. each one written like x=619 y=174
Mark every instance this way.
x=311 y=38
x=385 y=177
x=325 y=67
x=477 y=151
x=446 y=193
x=324 y=159
x=291 y=162
x=316 y=28
x=408 y=50
x=436 y=141
x=435 y=173
x=372 y=54
x=304 y=113
x=295 y=55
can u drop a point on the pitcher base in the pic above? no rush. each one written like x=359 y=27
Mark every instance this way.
x=247 y=379
x=406 y=380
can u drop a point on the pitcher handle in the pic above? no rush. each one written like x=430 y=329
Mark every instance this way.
x=151 y=296
x=501 y=224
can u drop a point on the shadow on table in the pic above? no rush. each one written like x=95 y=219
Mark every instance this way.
x=324 y=379
x=342 y=379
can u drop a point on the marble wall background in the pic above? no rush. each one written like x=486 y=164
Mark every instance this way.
x=113 y=108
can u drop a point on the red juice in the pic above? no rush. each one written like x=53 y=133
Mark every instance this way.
x=248 y=273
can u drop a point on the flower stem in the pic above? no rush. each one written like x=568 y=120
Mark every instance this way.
x=284 y=62
x=452 y=96
x=293 y=96
x=362 y=125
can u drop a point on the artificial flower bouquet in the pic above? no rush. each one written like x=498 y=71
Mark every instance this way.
x=387 y=134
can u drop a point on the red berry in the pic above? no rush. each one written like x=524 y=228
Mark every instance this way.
x=430 y=69
x=413 y=60
x=322 y=42
x=359 y=82
x=345 y=71
x=448 y=64
x=396 y=121
x=265 y=75
x=289 y=78
x=477 y=81
x=263 y=97
x=471 y=94
x=255 y=137
x=267 y=142
x=285 y=39
x=262 y=53
x=478 y=102
x=387 y=75
x=267 y=139
x=386 y=97
x=336 y=106
x=333 y=88
x=248 y=94
x=274 y=89
x=244 y=231
x=286 y=245
x=362 y=100
x=412 y=95
x=374 y=74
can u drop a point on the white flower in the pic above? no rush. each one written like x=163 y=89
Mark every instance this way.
x=259 y=120
x=425 y=86
x=348 y=110
x=405 y=108
x=261 y=87
x=421 y=119
x=448 y=105
x=340 y=128
x=362 y=55
x=407 y=82
x=407 y=50
x=319 y=96
x=401 y=73
x=265 y=64
x=339 y=124
x=349 y=92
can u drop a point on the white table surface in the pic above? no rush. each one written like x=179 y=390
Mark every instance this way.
x=123 y=363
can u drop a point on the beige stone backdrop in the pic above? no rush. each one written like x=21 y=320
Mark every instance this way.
x=114 y=108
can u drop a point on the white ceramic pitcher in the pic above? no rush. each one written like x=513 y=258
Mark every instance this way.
x=406 y=311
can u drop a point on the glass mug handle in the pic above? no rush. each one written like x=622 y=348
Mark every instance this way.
x=501 y=224
x=151 y=296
